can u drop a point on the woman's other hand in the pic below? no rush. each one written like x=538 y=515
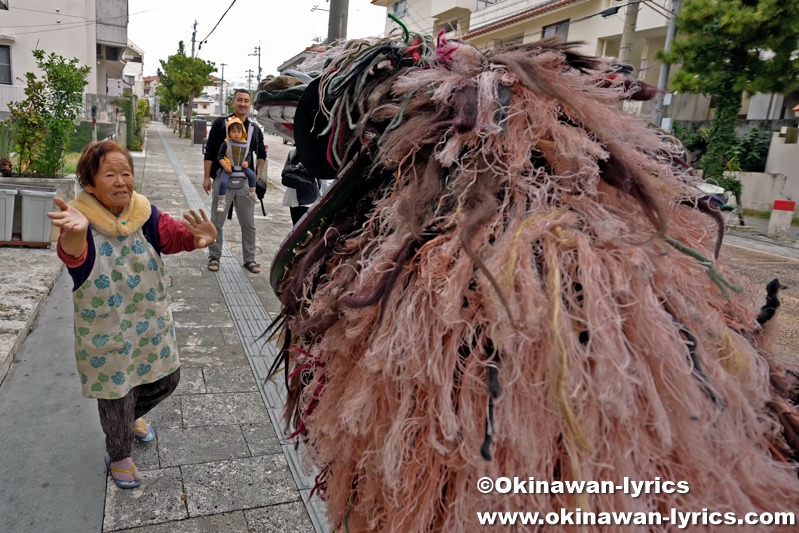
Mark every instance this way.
x=74 y=224
x=198 y=225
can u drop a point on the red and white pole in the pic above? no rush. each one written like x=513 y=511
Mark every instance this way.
x=781 y=217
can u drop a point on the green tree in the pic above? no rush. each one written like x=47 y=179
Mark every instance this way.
x=183 y=76
x=166 y=98
x=64 y=81
x=726 y=48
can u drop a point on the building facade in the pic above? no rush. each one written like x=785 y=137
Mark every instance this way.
x=94 y=31
x=597 y=23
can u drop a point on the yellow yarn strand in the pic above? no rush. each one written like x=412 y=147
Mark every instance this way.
x=563 y=361
x=731 y=356
x=513 y=258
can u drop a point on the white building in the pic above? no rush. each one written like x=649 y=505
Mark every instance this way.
x=216 y=92
x=205 y=106
x=94 y=31
x=133 y=73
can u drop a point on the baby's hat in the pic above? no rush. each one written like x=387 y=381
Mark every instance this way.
x=236 y=120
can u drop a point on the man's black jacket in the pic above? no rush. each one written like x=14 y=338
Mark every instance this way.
x=216 y=137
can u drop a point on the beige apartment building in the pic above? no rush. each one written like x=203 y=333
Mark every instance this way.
x=597 y=23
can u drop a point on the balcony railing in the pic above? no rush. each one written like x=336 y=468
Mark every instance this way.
x=11 y=93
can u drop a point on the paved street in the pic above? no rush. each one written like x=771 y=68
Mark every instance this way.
x=218 y=464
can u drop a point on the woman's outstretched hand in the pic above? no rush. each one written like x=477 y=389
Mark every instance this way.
x=68 y=218
x=198 y=225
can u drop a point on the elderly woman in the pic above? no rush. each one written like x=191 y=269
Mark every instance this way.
x=111 y=241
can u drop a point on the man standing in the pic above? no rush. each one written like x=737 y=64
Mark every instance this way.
x=245 y=211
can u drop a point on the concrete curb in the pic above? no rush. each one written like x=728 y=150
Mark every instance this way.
x=8 y=358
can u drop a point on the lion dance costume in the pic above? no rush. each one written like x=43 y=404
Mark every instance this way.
x=510 y=277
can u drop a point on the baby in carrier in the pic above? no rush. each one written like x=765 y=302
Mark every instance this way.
x=234 y=158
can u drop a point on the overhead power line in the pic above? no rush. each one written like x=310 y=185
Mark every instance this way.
x=217 y=24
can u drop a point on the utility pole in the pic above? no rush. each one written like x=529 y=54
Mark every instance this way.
x=337 y=21
x=193 y=36
x=249 y=79
x=257 y=52
x=222 y=91
x=628 y=33
x=663 y=79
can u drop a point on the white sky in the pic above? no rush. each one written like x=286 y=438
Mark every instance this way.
x=284 y=27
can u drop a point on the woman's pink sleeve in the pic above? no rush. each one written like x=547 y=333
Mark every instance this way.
x=172 y=236
x=72 y=262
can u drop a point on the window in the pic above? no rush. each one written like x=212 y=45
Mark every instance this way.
x=4 y=4
x=5 y=65
x=559 y=29
x=99 y=51
x=130 y=79
x=111 y=53
x=482 y=4
x=398 y=8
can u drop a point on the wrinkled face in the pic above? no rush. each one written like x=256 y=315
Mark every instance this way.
x=113 y=183
x=235 y=133
x=241 y=104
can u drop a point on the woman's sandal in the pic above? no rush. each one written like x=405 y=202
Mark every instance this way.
x=125 y=474
x=253 y=267
x=213 y=265
x=143 y=431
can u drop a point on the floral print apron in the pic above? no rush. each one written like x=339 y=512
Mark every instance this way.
x=124 y=334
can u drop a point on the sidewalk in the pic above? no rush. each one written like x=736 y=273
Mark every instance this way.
x=217 y=463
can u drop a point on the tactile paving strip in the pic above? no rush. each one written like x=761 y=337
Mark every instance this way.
x=251 y=321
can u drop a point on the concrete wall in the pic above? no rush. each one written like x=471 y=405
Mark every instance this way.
x=760 y=189
x=106 y=109
x=784 y=158
x=112 y=25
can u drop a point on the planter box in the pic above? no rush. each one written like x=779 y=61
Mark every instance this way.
x=7 y=197
x=66 y=189
x=36 y=226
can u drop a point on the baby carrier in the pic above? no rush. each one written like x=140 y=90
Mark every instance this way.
x=237 y=152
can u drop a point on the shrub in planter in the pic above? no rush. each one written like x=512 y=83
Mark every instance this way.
x=46 y=118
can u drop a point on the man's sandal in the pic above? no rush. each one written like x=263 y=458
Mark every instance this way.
x=253 y=267
x=143 y=431
x=124 y=472
x=213 y=265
